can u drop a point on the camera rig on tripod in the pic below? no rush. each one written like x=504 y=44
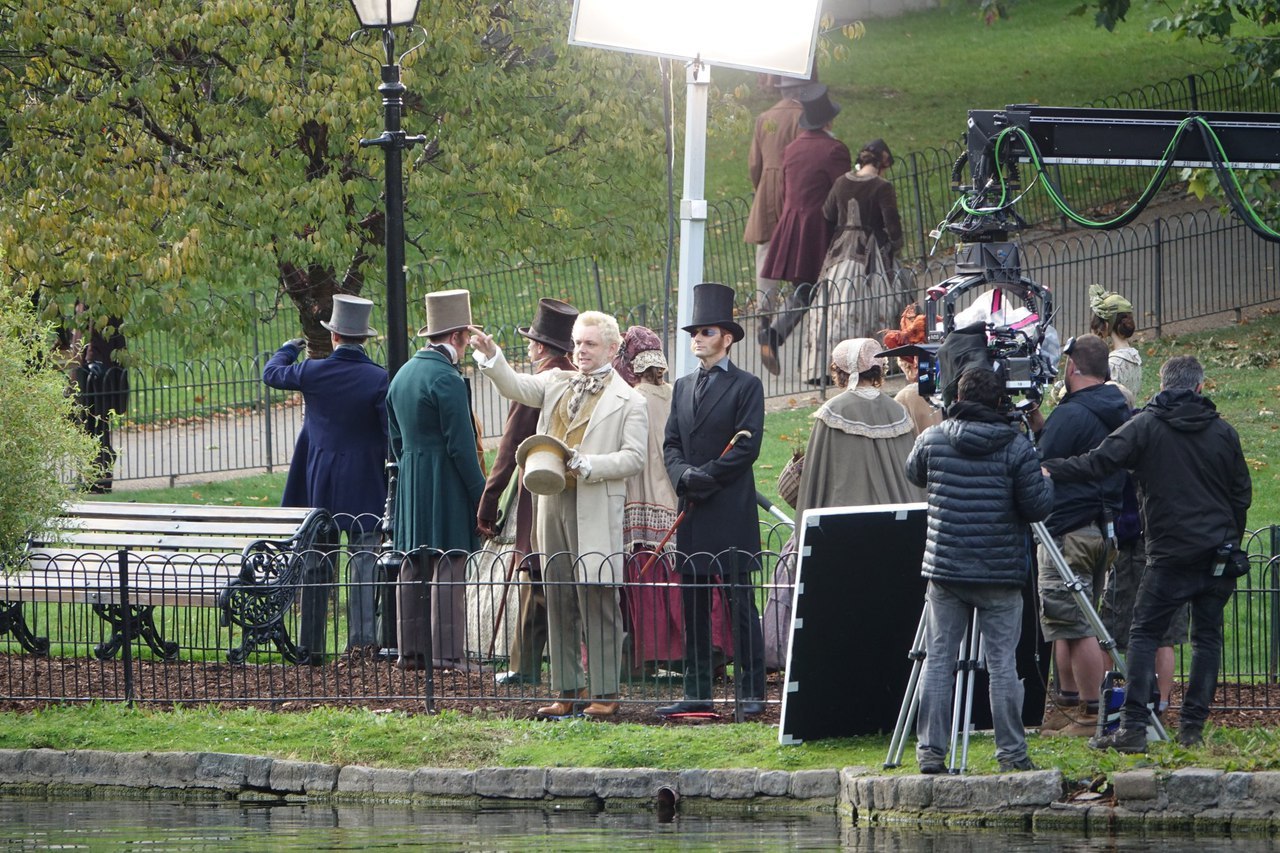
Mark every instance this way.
x=999 y=145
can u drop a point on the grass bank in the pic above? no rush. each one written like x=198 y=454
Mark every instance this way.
x=398 y=740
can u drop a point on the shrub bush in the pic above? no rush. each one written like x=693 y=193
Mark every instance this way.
x=46 y=454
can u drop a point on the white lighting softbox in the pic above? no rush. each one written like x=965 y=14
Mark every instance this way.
x=756 y=35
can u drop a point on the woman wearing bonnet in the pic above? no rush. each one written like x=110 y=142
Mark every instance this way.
x=861 y=438
x=1113 y=319
x=911 y=330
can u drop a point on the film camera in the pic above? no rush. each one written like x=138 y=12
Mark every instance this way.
x=1007 y=329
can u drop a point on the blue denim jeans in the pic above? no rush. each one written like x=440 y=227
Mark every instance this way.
x=950 y=611
x=1164 y=589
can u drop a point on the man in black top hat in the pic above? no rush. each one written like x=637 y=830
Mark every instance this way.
x=550 y=342
x=712 y=473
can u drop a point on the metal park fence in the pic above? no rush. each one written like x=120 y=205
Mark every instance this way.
x=79 y=663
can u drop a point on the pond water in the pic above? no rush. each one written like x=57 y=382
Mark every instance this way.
x=163 y=826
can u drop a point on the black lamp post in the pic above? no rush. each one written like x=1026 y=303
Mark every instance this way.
x=384 y=15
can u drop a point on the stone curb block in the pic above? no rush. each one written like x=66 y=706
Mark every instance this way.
x=814 y=784
x=231 y=772
x=734 y=784
x=515 y=783
x=638 y=784
x=438 y=782
x=303 y=777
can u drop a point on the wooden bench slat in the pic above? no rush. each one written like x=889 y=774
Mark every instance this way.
x=256 y=530
x=108 y=509
x=150 y=541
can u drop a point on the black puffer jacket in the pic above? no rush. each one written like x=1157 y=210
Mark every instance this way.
x=985 y=487
x=1195 y=484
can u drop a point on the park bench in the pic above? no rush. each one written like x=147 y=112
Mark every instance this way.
x=127 y=559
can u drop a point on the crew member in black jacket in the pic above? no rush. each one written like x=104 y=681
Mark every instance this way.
x=985 y=487
x=1196 y=492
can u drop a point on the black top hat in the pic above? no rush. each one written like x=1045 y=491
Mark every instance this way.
x=713 y=306
x=552 y=324
x=818 y=108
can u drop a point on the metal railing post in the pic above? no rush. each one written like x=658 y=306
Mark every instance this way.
x=126 y=625
x=264 y=396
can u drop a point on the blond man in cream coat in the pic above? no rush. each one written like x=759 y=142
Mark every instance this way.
x=580 y=530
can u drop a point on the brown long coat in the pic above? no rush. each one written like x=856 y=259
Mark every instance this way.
x=810 y=166
x=775 y=128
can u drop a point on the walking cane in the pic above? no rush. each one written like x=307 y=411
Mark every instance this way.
x=737 y=436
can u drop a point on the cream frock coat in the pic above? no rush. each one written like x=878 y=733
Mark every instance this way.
x=614 y=444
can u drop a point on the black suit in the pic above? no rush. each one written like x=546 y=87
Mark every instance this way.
x=720 y=536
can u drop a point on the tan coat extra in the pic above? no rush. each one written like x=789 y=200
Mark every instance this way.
x=614 y=444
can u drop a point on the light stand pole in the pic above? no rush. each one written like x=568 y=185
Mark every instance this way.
x=693 y=205
x=384 y=15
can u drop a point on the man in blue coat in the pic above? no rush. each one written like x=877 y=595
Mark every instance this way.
x=339 y=462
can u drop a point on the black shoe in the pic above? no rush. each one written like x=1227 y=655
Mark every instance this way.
x=932 y=768
x=1191 y=735
x=751 y=707
x=688 y=706
x=1131 y=741
x=1023 y=763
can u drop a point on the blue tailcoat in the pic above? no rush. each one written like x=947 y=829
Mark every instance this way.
x=339 y=460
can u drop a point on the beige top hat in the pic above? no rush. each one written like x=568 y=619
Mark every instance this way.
x=447 y=311
x=350 y=317
x=543 y=459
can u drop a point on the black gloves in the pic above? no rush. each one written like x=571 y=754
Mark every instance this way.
x=96 y=370
x=297 y=343
x=698 y=485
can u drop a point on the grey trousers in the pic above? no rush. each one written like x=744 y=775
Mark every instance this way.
x=951 y=609
x=445 y=619
x=577 y=612
x=362 y=614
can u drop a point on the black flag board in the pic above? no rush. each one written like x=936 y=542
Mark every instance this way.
x=858 y=601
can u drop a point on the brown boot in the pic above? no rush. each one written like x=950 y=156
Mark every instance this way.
x=1059 y=715
x=1085 y=725
x=602 y=706
x=566 y=706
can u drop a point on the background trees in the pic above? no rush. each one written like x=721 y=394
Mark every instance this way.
x=155 y=153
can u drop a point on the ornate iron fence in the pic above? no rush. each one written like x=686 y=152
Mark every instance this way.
x=77 y=667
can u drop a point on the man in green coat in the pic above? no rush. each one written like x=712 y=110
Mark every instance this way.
x=433 y=440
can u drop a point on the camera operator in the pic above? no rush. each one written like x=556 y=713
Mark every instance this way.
x=984 y=487
x=1080 y=524
x=1196 y=493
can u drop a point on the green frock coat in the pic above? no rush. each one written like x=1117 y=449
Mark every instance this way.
x=434 y=441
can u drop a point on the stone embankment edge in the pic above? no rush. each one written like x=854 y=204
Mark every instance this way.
x=1200 y=799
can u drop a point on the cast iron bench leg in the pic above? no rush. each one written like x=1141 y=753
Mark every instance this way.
x=13 y=619
x=143 y=619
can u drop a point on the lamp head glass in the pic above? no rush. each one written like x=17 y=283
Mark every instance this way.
x=385 y=13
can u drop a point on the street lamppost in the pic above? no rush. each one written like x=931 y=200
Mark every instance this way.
x=384 y=15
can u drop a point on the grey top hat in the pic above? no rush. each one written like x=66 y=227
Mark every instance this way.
x=818 y=108
x=713 y=306
x=350 y=317
x=447 y=311
x=552 y=324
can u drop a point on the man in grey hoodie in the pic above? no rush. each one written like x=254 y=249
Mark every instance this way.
x=985 y=486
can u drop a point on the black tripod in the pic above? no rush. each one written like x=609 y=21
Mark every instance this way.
x=970 y=660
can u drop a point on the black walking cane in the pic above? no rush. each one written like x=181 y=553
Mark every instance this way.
x=737 y=436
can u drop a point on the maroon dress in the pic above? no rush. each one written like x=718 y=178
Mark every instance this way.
x=810 y=166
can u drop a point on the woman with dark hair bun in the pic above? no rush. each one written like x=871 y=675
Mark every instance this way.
x=1113 y=319
x=859 y=292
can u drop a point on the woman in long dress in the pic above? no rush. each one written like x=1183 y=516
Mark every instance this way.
x=857 y=456
x=858 y=291
x=861 y=438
